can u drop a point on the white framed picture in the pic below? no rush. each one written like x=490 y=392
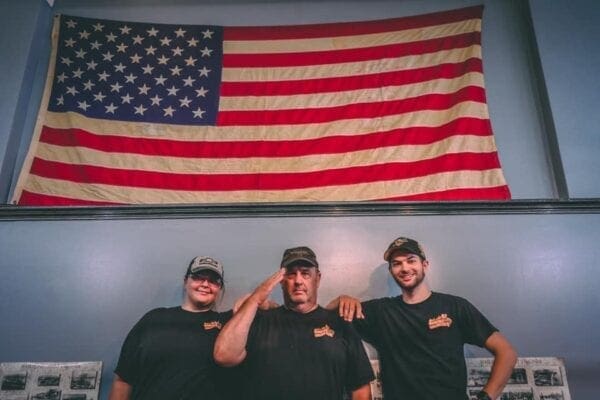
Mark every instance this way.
x=50 y=380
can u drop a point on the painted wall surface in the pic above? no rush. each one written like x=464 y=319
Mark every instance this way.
x=568 y=35
x=71 y=290
x=512 y=96
x=21 y=24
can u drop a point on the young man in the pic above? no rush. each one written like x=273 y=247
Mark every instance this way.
x=420 y=335
x=297 y=351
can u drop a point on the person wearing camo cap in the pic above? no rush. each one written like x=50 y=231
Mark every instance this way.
x=297 y=351
x=420 y=335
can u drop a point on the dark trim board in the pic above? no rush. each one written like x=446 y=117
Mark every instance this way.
x=346 y=209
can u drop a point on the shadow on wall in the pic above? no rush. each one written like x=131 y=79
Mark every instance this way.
x=381 y=284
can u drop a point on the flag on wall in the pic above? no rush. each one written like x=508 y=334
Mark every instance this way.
x=142 y=113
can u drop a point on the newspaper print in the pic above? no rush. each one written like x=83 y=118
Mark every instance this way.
x=50 y=380
x=533 y=378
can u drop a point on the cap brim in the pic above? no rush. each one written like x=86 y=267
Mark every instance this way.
x=299 y=260
x=203 y=268
x=409 y=250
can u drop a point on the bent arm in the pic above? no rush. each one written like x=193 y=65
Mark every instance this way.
x=120 y=390
x=230 y=346
x=362 y=393
x=265 y=305
x=505 y=358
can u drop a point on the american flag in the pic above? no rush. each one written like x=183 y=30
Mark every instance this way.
x=142 y=113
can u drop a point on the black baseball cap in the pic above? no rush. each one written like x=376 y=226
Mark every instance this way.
x=301 y=254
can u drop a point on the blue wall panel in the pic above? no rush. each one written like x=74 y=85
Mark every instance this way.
x=568 y=36
x=72 y=289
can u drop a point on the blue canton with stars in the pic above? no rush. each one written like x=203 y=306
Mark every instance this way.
x=138 y=71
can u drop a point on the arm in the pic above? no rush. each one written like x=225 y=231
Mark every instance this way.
x=120 y=390
x=348 y=307
x=265 y=305
x=362 y=393
x=505 y=358
x=230 y=346
x=240 y=302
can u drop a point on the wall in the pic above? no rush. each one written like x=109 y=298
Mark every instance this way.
x=568 y=34
x=23 y=23
x=71 y=289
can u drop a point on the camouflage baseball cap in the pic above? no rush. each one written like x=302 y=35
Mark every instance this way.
x=301 y=254
x=406 y=244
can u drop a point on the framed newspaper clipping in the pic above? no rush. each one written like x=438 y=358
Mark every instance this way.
x=533 y=378
x=50 y=380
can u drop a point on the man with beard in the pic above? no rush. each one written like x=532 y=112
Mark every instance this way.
x=420 y=335
x=300 y=350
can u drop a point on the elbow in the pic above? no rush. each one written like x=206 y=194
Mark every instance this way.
x=501 y=348
x=220 y=357
x=512 y=356
x=508 y=354
x=225 y=358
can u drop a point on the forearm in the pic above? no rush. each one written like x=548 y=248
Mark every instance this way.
x=230 y=346
x=334 y=304
x=505 y=358
x=362 y=393
x=120 y=390
x=501 y=371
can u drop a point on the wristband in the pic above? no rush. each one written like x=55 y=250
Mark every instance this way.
x=482 y=395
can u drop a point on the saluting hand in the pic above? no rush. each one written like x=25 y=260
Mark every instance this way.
x=263 y=291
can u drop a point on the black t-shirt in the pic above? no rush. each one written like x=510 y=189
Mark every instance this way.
x=168 y=354
x=296 y=356
x=420 y=346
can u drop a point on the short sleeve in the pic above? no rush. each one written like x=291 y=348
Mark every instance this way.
x=366 y=327
x=129 y=358
x=359 y=370
x=475 y=327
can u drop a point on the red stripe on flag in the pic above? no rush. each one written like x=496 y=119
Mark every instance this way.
x=350 y=55
x=36 y=199
x=283 y=148
x=351 y=111
x=263 y=181
x=350 y=28
x=347 y=83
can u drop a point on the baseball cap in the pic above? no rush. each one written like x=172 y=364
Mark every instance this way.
x=406 y=244
x=299 y=254
x=203 y=263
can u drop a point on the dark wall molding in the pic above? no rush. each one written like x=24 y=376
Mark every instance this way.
x=271 y=210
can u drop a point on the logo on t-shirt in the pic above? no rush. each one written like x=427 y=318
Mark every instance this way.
x=443 y=320
x=324 y=331
x=212 y=325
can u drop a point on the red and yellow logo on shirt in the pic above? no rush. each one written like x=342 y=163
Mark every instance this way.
x=324 y=331
x=212 y=325
x=441 y=321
